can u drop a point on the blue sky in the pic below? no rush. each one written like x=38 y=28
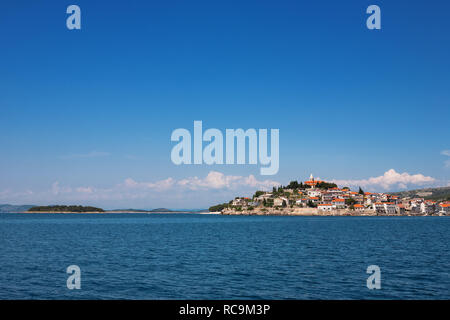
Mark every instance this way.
x=87 y=114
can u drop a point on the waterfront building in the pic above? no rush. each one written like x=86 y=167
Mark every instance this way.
x=378 y=207
x=444 y=209
x=390 y=208
x=338 y=203
x=428 y=207
x=302 y=201
x=325 y=207
x=401 y=209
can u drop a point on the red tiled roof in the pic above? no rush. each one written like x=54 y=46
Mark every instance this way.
x=313 y=182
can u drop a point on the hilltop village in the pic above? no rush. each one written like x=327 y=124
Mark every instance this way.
x=316 y=197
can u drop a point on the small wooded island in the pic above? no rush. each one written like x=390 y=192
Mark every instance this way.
x=65 y=209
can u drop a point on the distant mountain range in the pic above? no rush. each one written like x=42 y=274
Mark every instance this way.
x=6 y=208
x=15 y=208
x=438 y=194
x=141 y=210
x=158 y=210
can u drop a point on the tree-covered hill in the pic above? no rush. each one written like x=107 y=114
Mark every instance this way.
x=437 y=194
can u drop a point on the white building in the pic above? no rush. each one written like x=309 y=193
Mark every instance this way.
x=335 y=192
x=313 y=192
x=264 y=196
x=278 y=202
x=325 y=207
x=338 y=203
x=302 y=201
x=314 y=200
x=238 y=202
x=428 y=207
x=327 y=197
x=378 y=207
x=390 y=208
x=444 y=209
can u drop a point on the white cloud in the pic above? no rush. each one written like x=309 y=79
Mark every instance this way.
x=158 y=185
x=190 y=192
x=217 y=180
x=195 y=191
x=56 y=189
x=92 y=154
x=214 y=180
x=390 y=179
x=85 y=189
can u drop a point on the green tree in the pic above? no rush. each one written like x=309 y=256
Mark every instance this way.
x=218 y=207
x=350 y=201
x=311 y=204
x=258 y=193
x=293 y=185
x=326 y=185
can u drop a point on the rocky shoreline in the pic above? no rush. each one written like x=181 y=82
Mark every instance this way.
x=301 y=212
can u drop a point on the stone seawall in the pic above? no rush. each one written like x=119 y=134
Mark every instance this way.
x=297 y=212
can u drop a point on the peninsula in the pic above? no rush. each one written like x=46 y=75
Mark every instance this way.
x=317 y=197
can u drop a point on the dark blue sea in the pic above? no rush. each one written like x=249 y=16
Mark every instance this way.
x=193 y=256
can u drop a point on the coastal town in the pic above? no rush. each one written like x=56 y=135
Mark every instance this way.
x=317 y=197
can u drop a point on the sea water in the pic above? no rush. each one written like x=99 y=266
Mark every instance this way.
x=194 y=256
